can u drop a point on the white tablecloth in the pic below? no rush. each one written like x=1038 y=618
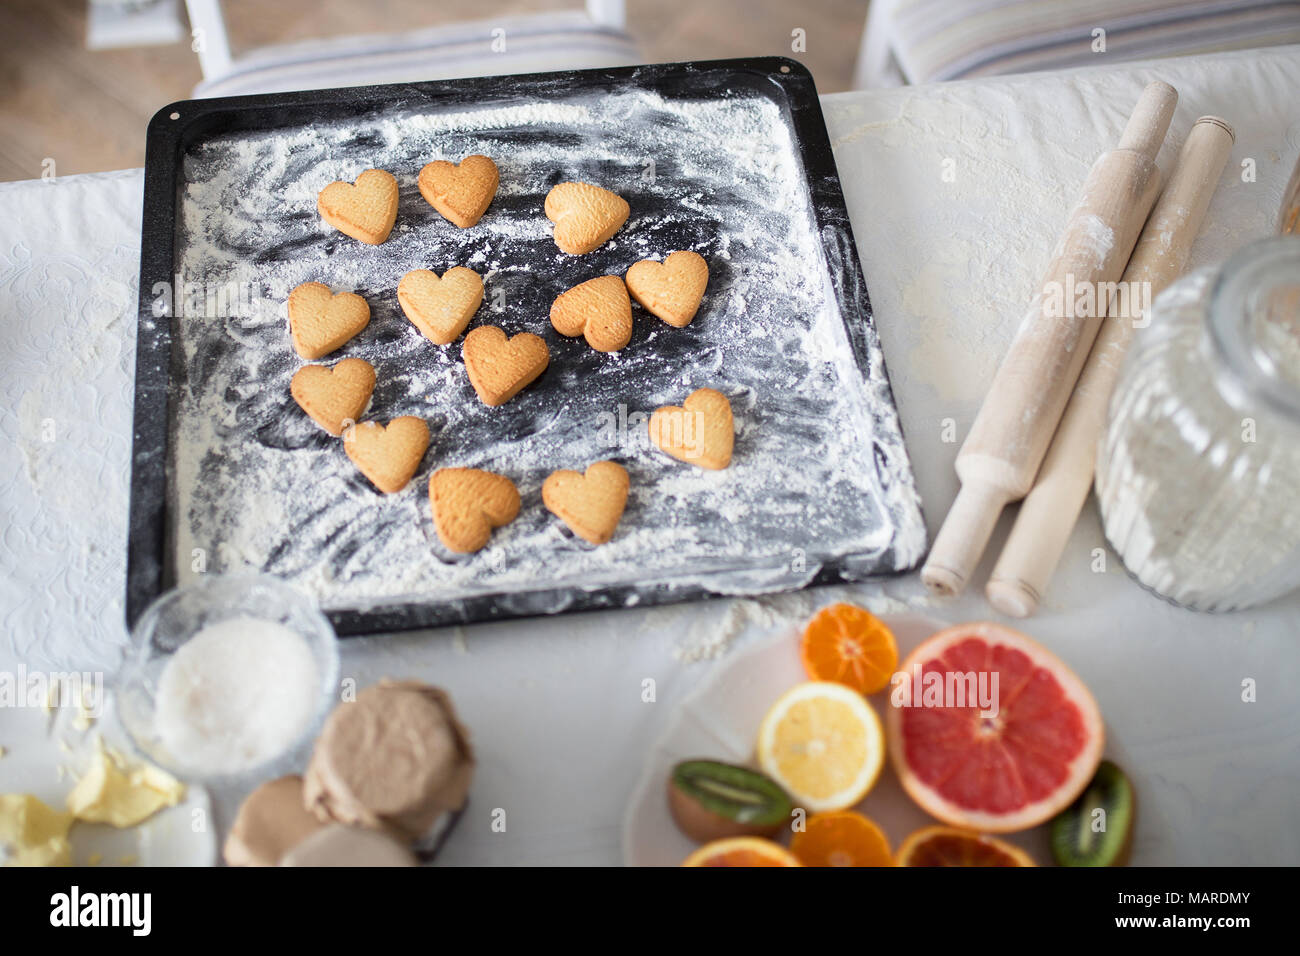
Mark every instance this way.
x=957 y=193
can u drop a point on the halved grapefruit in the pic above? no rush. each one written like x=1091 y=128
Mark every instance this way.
x=1001 y=769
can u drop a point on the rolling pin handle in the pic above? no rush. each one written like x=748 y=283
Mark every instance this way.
x=1012 y=596
x=1149 y=121
x=962 y=538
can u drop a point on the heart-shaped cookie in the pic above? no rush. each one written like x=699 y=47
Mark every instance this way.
x=671 y=289
x=498 y=367
x=440 y=307
x=597 y=309
x=334 y=397
x=462 y=191
x=321 y=322
x=591 y=503
x=585 y=216
x=699 y=432
x=388 y=456
x=468 y=504
x=365 y=210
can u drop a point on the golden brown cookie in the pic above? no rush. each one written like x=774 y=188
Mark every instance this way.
x=462 y=191
x=388 y=456
x=365 y=210
x=440 y=307
x=336 y=396
x=597 y=309
x=585 y=216
x=671 y=289
x=321 y=322
x=699 y=432
x=498 y=367
x=591 y=503
x=468 y=504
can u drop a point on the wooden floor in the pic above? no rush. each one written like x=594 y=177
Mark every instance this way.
x=87 y=111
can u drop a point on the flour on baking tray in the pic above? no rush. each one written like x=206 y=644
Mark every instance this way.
x=257 y=484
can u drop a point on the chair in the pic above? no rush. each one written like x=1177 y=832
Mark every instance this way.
x=564 y=40
x=925 y=41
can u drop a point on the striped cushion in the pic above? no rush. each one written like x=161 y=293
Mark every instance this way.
x=948 y=39
x=558 y=41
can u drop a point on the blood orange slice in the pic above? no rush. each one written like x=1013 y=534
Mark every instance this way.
x=946 y=846
x=1005 y=768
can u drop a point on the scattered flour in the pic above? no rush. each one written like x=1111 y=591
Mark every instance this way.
x=950 y=348
x=708 y=641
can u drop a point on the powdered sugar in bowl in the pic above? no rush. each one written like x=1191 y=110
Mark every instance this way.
x=227 y=676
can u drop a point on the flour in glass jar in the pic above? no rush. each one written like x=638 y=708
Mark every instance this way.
x=238 y=693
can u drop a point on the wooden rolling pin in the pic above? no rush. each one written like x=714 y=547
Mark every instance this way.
x=1050 y=511
x=1006 y=444
x=1288 y=220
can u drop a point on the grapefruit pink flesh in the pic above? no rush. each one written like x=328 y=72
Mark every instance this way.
x=994 y=772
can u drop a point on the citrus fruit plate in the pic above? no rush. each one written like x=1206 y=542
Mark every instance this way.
x=730 y=717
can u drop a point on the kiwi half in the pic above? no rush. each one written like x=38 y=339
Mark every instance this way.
x=1083 y=837
x=711 y=800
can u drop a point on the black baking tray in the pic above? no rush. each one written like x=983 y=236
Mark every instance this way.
x=178 y=127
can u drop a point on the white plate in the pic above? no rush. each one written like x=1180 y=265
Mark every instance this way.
x=37 y=744
x=719 y=721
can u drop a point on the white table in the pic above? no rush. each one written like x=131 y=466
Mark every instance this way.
x=556 y=705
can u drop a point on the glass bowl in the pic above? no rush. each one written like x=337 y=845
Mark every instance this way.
x=176 y=617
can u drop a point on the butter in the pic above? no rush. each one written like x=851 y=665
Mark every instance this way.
x=33 y=834
x=112 y=791
x=121 y=795
x=83 y=720
x=85 y=716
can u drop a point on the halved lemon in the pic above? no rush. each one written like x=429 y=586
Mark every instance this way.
x=742 y=851
x=824 y=744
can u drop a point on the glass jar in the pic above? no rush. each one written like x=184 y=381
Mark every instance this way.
x=177 y=617
x=1198 y=471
